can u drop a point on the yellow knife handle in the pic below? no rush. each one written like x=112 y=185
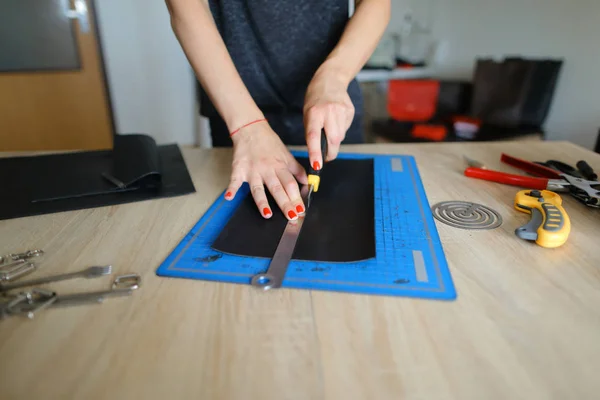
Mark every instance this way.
x=314 y=180
x=549 y=225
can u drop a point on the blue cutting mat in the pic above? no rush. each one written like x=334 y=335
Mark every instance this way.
x=409 y=258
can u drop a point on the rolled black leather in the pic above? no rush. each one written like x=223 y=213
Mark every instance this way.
x=62 y=182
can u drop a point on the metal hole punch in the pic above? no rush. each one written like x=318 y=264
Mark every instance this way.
x=17 y=271
x=123 y=285
x=17 y=257
x=31 y=302
x=9 y=265
x=129 y=281
x=88 y=273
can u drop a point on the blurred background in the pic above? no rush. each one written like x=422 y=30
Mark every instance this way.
x=74 y=72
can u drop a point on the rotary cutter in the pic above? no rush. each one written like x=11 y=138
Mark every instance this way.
x=549 y=225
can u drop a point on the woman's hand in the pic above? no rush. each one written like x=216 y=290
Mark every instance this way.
x=260 y=158
x=326 y=105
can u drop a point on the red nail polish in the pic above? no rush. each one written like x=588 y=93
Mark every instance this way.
x=292 y=214
x=228 y=195
x=316 y=166
x=267 y=212
x=299 y=209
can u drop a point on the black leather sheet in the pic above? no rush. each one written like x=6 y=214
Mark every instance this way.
x=63 y=182
x=339 y=226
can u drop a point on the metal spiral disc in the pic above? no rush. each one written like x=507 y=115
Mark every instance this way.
x=465 y=215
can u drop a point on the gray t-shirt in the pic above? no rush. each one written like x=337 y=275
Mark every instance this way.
x=277 y=46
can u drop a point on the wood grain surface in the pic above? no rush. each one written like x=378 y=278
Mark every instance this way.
x=526 y=324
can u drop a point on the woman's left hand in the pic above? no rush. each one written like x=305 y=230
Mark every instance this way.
x=326 y=105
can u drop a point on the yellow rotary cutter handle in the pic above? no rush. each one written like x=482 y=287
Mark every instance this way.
x=549 y=225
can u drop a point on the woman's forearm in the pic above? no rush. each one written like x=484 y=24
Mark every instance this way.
x=360 y=38
x=197 y=33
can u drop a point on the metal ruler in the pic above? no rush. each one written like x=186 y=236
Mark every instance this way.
x=283 y=254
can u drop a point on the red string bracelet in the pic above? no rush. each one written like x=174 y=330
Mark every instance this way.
x=248 y=124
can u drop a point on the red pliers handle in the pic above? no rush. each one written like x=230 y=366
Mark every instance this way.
x=507 y=179
x=529 y=167
x=546 y=174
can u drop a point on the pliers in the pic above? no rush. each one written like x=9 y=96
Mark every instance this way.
x=582 y=169
x=586 y=191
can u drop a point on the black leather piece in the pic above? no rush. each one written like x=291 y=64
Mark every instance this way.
x=136 y=161
x=339 y=225
x=73 y=181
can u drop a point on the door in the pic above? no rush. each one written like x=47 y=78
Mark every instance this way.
x=53 y=94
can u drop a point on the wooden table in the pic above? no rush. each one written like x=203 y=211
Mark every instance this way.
x=526 y=324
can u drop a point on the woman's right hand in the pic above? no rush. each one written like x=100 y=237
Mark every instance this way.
x=261 y=159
